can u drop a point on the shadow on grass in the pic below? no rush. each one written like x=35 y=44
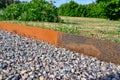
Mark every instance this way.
x=75 y=23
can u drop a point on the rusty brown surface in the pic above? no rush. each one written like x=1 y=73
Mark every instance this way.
x=103 y=50
x=31 y=32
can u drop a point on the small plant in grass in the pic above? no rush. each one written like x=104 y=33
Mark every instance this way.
x=118 y=30
x=1 y=13
x=67 y=29
x=117 y=40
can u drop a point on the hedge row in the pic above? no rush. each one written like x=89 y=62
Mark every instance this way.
x=36 y=10
x=74 y=9
x=103 y=9
x=41 y=10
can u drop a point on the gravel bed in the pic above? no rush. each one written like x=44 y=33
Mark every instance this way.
x=22 y=58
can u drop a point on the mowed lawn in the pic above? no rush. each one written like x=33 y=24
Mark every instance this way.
x=91 y=27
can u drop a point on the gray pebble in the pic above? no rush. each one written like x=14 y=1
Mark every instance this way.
x=25 y=76
x=1 y=77
x=114 y=79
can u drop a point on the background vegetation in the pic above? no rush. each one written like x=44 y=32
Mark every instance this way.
x=109 y=9
x=5 y=3
x=41 y=10
x=35 y=10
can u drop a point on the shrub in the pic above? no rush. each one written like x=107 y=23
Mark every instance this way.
x=11 y=12
x=95 y=10
x=99 y=1
x=112 y=10
x=78 y=10
x=69 y=9
x=36 y=10
x=88 y=10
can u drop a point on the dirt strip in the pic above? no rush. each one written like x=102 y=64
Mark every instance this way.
x=103 y=50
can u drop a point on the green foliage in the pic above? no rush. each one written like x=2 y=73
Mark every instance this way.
x=88 y=10
x=99 y=1
x=36 y=10
x=67 y=29
x=112 y=10
x=118 y=30
x=11 y=12
x=41 y=10
x=95 y=10
x=71 y=9
x=5 y=3
x=1 y=4
x=101 y=9
x=78 y=10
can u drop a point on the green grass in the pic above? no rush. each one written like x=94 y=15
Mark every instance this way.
x=91 y=27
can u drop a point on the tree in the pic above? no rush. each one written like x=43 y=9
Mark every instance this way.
x=98 y=1
x=0 y=4
x=95 y=10
x=112 y=10
x=69 y=9
x=16 y=1
x=5 y=3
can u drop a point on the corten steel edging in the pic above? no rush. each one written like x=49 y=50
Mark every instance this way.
x=103 y=50
x=31 y=32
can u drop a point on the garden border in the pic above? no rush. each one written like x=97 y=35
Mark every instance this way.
x=103 y=50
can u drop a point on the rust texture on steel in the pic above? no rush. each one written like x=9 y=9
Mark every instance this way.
x=31 y=32
x=103 y=50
